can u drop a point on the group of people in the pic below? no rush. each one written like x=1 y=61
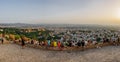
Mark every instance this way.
x=80 y=39
x=72 y=43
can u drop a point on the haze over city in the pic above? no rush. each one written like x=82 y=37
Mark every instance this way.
x=59 y=30
x=60 y=11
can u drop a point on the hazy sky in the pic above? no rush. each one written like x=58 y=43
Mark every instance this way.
x=60 y=11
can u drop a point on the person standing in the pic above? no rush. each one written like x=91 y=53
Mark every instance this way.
x=79 y=43
x=118 y=40
x=32 y=42
x=55 y=44
x=83 y=44
x=23 y=43
x=59 y=44
x=2 y=41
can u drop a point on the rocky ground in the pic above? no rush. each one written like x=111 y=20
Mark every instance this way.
x=14 y=53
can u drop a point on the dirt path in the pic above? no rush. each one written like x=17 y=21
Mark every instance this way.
x=14 y=53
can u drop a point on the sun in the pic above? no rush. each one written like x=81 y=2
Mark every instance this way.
x=118 y=13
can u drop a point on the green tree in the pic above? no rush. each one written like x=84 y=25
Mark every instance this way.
x=17 y=37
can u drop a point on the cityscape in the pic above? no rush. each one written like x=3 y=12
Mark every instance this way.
x=60 y=31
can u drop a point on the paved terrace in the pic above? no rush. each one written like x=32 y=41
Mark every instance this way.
x=14 y=53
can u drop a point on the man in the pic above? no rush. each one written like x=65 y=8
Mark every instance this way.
x=79 y=43
x=23 y=43
x=2 y=41
x=82 y=43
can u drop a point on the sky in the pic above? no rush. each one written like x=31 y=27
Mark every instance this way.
x=60 y=11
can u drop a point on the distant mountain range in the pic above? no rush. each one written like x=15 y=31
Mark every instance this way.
x=18 y=25
x=25 y=25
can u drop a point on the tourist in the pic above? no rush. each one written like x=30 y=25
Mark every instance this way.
x=86 y=43
x=118 y=40
x=2 y=40
x=43 y=43
x=62 y=44
x=73 y=43
x=55 y=44
x=59 y=44
x=70 y=44
x=48 y=42
x=82 y=43
x=32 y=42
x=23 y=43
x=79 y=44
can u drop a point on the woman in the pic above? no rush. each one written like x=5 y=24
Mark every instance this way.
x=59 y=44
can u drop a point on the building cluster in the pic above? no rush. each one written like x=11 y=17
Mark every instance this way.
x=80 y=37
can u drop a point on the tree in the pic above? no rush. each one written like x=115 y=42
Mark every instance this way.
x=25 y=38
x=35 y=37
x=17 y=37
x=12 y=37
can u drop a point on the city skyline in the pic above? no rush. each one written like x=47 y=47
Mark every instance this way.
x=60 y=11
